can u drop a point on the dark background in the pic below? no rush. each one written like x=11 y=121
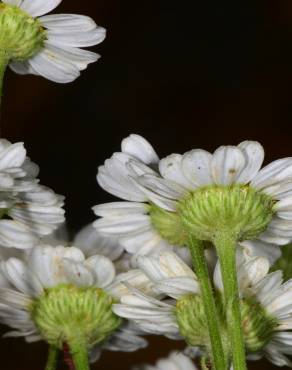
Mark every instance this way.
x=184 y=74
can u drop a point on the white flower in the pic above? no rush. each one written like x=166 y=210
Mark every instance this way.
x=275 y=297
x=266 y=304
x=60 y=58
x=28 y=282
x=176 y=360
x=170 y=277
x=28 y=210
x=149 y=186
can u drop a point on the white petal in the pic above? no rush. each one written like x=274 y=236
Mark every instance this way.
x=14 y=234
x=117 y=209
x=91 y=242
x=135 y=278
x=52 y=68
x=122 y=225
x=270 y=237
x=78 y=57
x=280 y=170
x=103 y=269
x=145 y=239
x=138 y=147
x=257 y=248
x=166 y=265
x=227 y=163
x=254 y=154
x=284 y=208
x=76 y=39
x=171 y=168
x=165 y=188
x=13 y=156
x=160 y=201
x=68 y=22
x=178 y=286
x=196 y=166
x=21 y=277
x=77 y=274
x=39 y=7
x=22 y=68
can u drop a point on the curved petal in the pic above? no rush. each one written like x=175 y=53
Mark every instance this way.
x=254 y=153
x=103 y=269
x=68 y=22
x=48 y=64
x=227 y=164
x=140 y=148
x=39 y=7
x=196 y=166
x=77 y=39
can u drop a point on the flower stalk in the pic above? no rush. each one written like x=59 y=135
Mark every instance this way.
x=199 y=262
x=52 y=358
x=226 y=249
x=3 y=65
x=79 y=355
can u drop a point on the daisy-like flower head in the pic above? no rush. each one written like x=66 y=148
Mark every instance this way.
x=195 y=193
x=28 y=210
x=58 y=295
x=176 y=360
x=265 y=305
x=46 y=45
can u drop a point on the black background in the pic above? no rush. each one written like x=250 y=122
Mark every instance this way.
x=188 y=74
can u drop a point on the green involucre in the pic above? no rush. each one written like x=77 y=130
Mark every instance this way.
x=168 y=225
x=21 y=36
x=258 y=326
x=69 y=314
x=239 y=210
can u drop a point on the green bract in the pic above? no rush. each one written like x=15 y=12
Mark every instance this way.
x=68 y=314
x=239 y=210
x=21 y=36
x=258 y=326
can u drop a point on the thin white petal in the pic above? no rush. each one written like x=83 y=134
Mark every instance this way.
x=39 y=7
x=52 y=68
x=254 y=153
x=68 y=22
x=140 y=148
x=77 y=39
x=103 y=269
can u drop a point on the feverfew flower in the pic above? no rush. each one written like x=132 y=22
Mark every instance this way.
x=55 y=292
x=46 y=45
x=161 y=196
x=266 y=310
x=28 y=210
x=176 y=360
x=265 y=306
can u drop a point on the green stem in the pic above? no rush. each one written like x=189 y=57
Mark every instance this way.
x=226 y=249
x=199 y=262
x=52 y=358
x=79 y=355
x=3 y=65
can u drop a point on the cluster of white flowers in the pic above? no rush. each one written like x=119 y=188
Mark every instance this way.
x=130 y=273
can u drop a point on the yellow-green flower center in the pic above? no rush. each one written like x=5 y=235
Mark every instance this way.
x=21 y=36
x=67 y=314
